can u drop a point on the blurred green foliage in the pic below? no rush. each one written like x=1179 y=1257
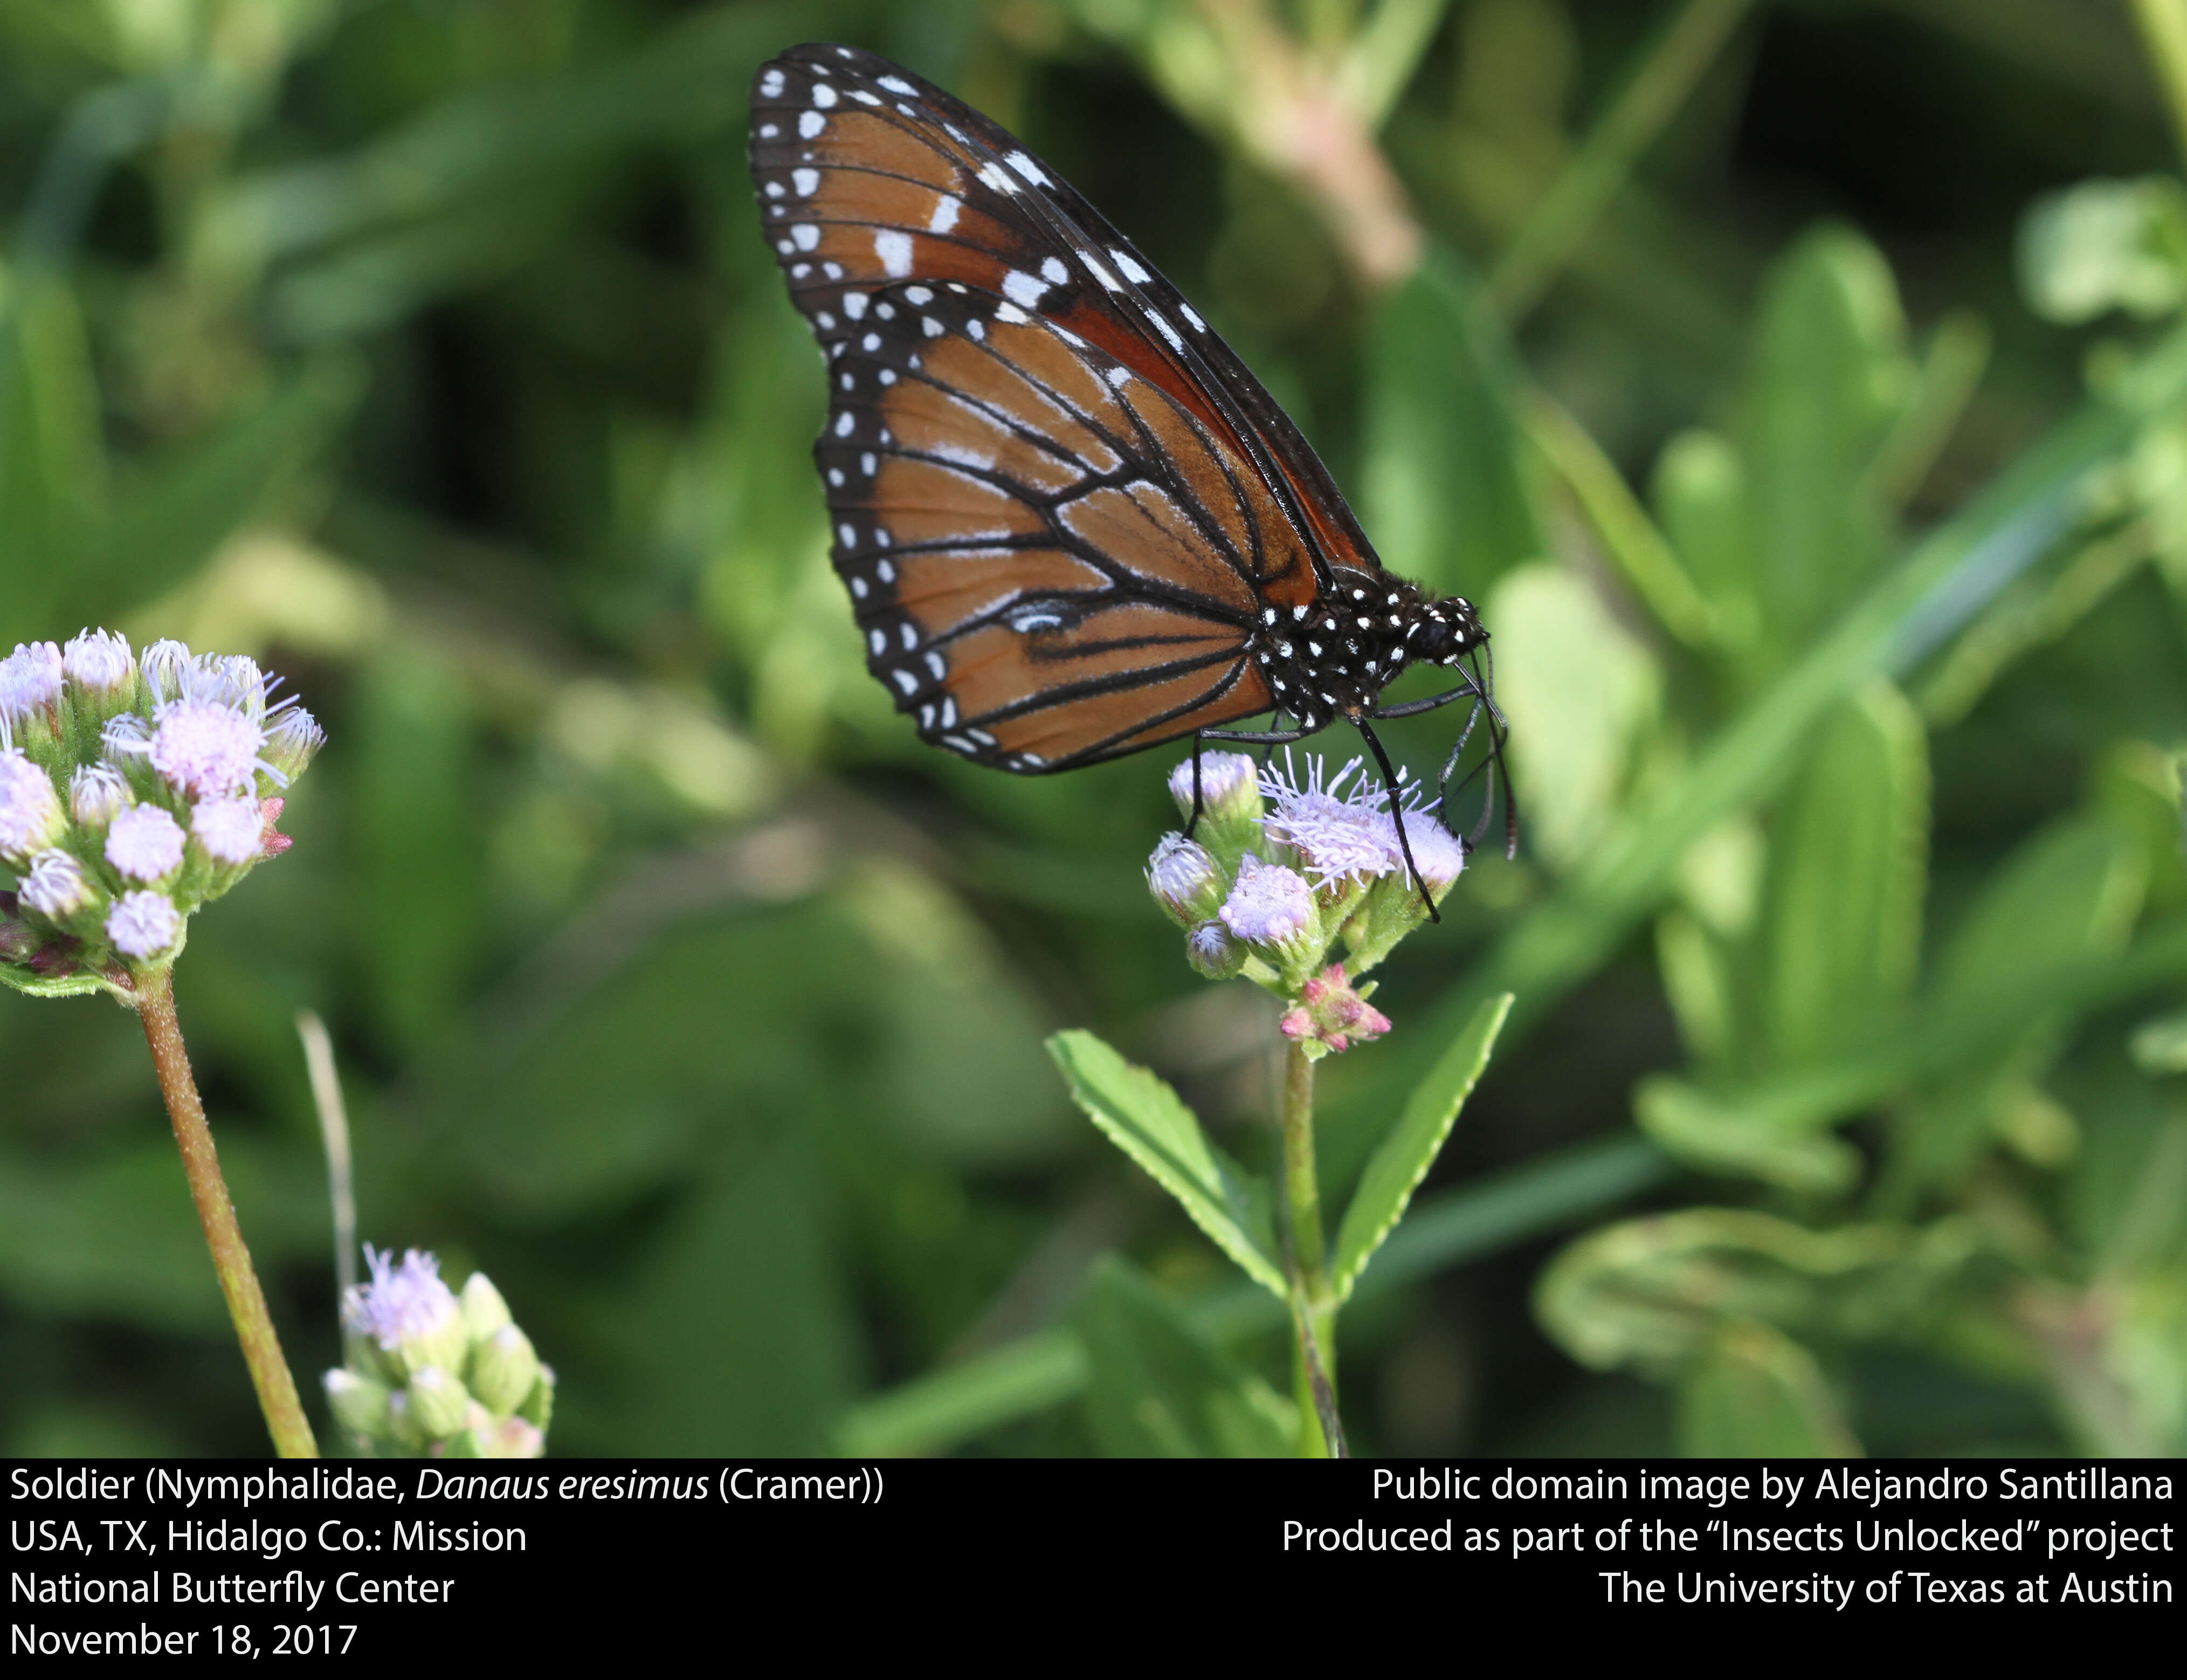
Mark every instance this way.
x=1797 y=386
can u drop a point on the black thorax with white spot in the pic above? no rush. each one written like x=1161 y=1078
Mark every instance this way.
x=1333 y=659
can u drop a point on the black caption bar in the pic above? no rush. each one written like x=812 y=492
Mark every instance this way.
x=365 y=1558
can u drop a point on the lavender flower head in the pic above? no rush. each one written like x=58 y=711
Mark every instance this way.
x=1185 y=878
x=429 y=1372
x=171 y=762
x=1338 y=836
x=30 y=814
x=1269 y=905
x=99 y=662
x=405 y=1300
x=1228 y=789
x=30 y=679
x=144 y=924
x=144 y=843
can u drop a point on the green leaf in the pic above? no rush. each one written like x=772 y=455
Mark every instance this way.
x=1144 y=1119
x=1720 y=1136
x=1580 y=692
x=1847 y=876
x=23 y=979
x=1756 y=1393
x=1442 y=487
x=1396 y=1169
x=1160 y=1388
x=2073 y=891
x=1830 y=374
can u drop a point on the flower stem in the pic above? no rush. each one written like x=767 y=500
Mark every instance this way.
x=231 y=1260
x=1313 y=1319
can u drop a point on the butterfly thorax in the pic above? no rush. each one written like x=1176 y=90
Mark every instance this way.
x=1333 y=659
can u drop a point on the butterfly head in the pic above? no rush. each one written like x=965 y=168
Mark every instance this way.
x=1447 y=631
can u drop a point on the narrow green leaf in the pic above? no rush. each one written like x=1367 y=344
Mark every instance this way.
x=1722 y=1137
x=1830 y=376
x=1442 y=490
x=1396 y=1169
x=1848 y=871
x=1160 y=1388
x=1144 y=1119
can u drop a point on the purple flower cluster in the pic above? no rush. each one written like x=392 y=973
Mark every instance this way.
x=132 y=791
x=1287 y=863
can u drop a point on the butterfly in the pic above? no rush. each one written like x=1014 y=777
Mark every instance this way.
x=1072 y=524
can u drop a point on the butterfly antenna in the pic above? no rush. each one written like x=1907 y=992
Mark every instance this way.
x=1397 y=815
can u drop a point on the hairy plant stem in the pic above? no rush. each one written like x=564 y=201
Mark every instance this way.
x=1313 y=1315
x=231 y=1260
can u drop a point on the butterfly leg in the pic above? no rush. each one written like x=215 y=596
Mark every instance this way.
x=1198 y=804
x=1390 y=778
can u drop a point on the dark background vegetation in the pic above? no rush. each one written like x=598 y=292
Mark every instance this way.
x=428 y=349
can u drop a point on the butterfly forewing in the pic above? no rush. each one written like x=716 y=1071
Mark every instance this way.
x=1060 y=501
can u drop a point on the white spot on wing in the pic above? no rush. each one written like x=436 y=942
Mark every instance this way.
x=897 y=84
x=1189 y=314
x=964 y=457
x=1119 y=376
x=807 y=181
x=905 y=681
x=1137 y=275
x=854 y=304
x=807 y=234
x=1022 y=288
x=1026 y=167
x=844 y=422
x=771 y=84
x=945 y=214
x=918 y=295
x=894 y=250
x=1011 y=313
x=1164 y=328
x=998 y=177
x=822 y=95
x=811 y=125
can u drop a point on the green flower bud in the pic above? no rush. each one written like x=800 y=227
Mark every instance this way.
x=359 y=1403
x=503 y=1370
x=484 y=1310
x=438 y=1405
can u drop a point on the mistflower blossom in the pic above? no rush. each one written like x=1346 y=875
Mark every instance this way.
x=405 y=1303
x=143 y=925
x=292 y=740
x=30 y=678
x=1185 y=878
x=1268 y=905
x=97 y=793
x=1227 y=786
x=31 y=815
x=1439 y=854
x=1338 y=835
x=98 y=661
x=205 y=748
x=166 y=665
x=55 y=887
x=145 y=844
x=1213 y=952
x=231 y=830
